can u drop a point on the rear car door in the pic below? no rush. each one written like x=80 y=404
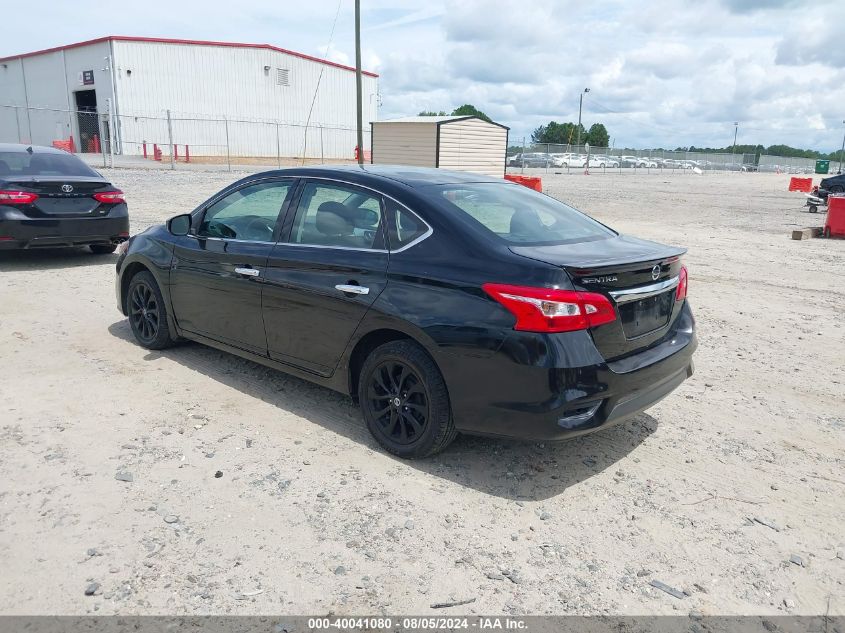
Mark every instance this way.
x=217 y=270
x=326 y=272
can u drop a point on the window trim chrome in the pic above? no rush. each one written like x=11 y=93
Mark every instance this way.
x=644 y=292
x=202 y=208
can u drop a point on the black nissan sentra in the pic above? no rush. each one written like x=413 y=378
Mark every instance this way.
x=442 y=302
x=51 y=198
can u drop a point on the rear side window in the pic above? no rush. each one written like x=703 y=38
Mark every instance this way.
x=519 y=215
x=43 y=164
x=403 y=226
x=338 y=215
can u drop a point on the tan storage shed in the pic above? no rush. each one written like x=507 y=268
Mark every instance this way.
x=460 y=143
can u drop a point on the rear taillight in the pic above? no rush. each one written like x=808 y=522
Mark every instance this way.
x=551 y=310
x=681 y=292
x=17 y=197
x=110 y=197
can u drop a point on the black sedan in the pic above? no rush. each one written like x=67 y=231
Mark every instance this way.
x=832 y=184
x=51 y=198
x=442 y=302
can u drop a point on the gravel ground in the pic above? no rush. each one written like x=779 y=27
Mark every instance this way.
x=190 y=481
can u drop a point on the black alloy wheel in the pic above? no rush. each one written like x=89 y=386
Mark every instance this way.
x=398 y=401
x=147 y=312
x=404 y=400
x=144 y=312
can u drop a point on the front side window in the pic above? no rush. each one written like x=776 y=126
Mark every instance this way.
x=338 y=215
x=248 y=214
x=519 y=215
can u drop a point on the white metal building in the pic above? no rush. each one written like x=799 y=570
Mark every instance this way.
x=247 y=99
x=462 y=143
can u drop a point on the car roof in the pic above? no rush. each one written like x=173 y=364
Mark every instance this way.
x=22 y=147
x=404 y=174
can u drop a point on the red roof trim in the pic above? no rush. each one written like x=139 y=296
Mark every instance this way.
x=164 y=40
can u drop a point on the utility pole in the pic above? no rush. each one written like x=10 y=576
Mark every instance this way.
x=736 y=129
x=580 y=105
x=360 y=112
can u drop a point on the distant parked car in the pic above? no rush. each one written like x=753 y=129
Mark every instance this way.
x=568 y=160
x=647 y=162
x=50 y=198
x=532 y=159
x=600 y=160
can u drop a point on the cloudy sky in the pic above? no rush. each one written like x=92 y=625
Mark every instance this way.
x=661 y=72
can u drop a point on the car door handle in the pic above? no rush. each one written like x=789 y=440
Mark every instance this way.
x=249 y=272
x=355 y=290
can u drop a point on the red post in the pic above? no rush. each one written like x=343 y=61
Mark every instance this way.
x=156 y=152
x=175 y=152
x=72 y=145
x=145 y=149
x=96 y=143
x=187 y=155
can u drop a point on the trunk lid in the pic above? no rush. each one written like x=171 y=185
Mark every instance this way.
x=55 y=200
x=639 y=276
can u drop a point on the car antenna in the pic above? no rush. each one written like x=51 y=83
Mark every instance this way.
x=29 y=149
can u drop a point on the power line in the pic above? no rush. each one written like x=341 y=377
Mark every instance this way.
x=319 y=78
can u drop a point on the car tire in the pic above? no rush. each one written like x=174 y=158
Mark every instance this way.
x=148 y=312
x=404 y=400
x=102 y=249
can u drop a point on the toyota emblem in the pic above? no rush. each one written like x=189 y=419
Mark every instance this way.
x=67 y=188
x=655 y=272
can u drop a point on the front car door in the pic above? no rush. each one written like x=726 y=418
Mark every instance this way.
x=323 y=276
x=217 y=271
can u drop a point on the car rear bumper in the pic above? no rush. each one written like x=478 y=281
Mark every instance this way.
x=18 y=231
x=553 y=388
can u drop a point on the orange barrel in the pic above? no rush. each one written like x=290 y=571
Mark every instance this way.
x=835 y=222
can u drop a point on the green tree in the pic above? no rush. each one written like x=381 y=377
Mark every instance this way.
x=430 y=113
x=598 y=136
x=470 y=110
x=558 y=133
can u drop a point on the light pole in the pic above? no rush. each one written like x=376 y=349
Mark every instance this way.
x=360 y=107
x=736 y=129
x=580 y=105
x=841 y=151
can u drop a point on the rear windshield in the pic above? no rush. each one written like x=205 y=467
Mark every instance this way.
x=38 y=164
x=521 y=216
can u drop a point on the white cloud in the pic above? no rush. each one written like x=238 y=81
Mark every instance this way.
x=661 y=73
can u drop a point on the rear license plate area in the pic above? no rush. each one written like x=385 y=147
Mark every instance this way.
x=646 y=315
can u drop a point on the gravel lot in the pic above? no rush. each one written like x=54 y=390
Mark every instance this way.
x=730 y=490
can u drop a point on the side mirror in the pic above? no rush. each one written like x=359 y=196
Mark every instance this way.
x=179 y=225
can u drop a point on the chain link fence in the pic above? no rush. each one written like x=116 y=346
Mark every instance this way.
x=171 y=139
x=174 y=139
x=550 y=158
